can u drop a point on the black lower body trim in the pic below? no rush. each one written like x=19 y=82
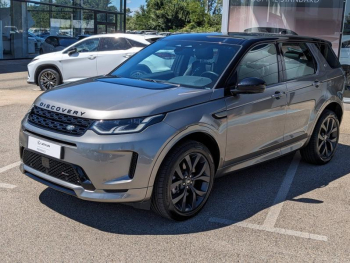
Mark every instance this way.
x=267 y=150
x=51 y=185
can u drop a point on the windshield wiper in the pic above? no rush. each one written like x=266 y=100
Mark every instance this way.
x=161 y=81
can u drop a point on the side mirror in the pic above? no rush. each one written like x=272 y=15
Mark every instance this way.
x=72 y=51
x=249 y=86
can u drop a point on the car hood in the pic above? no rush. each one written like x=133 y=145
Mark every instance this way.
x=50 y=56
x=116 y=98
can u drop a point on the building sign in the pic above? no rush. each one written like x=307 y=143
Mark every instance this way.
x=317 y=18
x=293 y=3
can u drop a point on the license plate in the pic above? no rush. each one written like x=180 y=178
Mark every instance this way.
x=45 y=147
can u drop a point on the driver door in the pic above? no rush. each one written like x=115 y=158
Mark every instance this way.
x=81 y=64
x=256 y=121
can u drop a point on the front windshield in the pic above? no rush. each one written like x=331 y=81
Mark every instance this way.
x=185 y=63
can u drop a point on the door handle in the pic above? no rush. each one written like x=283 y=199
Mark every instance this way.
x=277 y=95
x=316 y=84
x=92 y=57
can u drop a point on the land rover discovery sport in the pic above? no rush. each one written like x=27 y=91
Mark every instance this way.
x=158 y=137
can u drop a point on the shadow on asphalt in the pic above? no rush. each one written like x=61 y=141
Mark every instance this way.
x=235 y=197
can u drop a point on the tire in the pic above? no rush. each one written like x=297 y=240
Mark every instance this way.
x=324 y=140
x=170 y=190
x=48 y=78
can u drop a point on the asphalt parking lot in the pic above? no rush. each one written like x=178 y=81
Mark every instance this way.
x=284 y=210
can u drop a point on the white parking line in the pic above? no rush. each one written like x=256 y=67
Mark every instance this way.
x=277 y=205
x=269 y=229
x=275 y=210
x=10 y=166
x=7 y=186
x=4 y=169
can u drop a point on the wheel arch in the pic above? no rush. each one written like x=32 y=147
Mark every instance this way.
x=336 y=108
x=207 y=140
x=45 y=66
x=203 y=135
x=334 y=105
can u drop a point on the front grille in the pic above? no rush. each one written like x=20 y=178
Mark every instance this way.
x=58 y=122
x=55 y=168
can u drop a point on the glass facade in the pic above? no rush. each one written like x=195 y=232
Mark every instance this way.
x=24 y=25
x=326 y=19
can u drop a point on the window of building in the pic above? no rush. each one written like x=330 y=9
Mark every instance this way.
x=25 y=25
x=299 y=61
x=112 y=43
x=260 y=62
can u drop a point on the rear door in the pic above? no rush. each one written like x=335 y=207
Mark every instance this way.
x=81 y=64
x=256 y=121
x=305 y=84
x=112 y=52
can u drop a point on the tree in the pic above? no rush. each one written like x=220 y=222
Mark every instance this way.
x=177 y=15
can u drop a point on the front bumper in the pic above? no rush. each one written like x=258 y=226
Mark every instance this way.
x=31 y=73
x=106 y=160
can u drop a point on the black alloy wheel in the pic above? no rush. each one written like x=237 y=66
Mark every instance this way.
x=324 y=140
x=184 y=181
x=328 y=138
x=190 y=182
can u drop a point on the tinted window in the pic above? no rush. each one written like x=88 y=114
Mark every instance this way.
x=88 y=45
x=188 y=63
x=111 y=43
x=329 y=55
x=136 y=44
x=48 y=40
x=260 y=62
x=54 y=41
x=65 y=42
x=298 y=60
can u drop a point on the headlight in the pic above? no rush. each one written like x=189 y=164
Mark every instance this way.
x=125 y=125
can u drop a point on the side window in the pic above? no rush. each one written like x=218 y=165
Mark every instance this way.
x=329 y=55
x=112 y=43
x=298 y=60
x=54 y=41
x=48 y=40
x=89 y=45
x=136 y=44
x=260 y=62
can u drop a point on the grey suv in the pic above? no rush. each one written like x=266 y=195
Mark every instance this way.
x=157 y=138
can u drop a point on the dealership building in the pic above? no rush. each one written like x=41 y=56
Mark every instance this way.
x=24 y=25
x=327 y=19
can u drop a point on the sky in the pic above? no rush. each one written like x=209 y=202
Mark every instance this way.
x=134 y=4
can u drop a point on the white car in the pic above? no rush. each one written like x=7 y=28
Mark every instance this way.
x=89 y=57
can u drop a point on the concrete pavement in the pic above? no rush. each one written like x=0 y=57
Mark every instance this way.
x=241 y=222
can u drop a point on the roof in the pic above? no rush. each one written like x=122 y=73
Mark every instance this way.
x=65 y=37
x=239 y=38
x=136 y=37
